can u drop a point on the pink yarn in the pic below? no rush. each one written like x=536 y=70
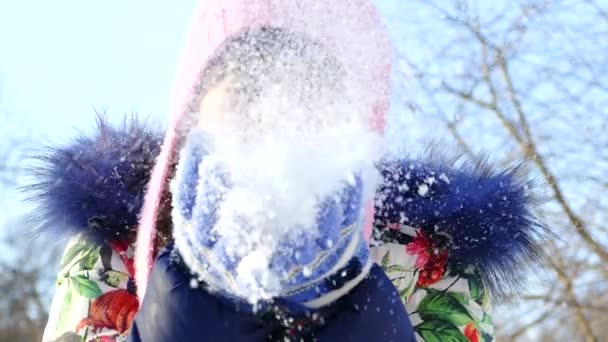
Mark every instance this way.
x=350 y=27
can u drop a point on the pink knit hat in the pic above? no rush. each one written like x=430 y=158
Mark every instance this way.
x=350 y=29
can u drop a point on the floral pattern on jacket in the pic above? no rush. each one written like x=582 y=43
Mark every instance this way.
x=95 y=297
x=444 y=302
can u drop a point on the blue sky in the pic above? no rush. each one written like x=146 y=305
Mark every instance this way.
x=60 y=59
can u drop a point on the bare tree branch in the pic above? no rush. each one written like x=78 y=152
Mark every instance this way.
x=579 y=313
x=525 y=141
x=538 y=78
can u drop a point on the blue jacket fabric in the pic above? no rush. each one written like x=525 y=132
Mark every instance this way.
x=175 y=310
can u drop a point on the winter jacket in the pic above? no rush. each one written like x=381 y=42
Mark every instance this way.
x=449 y=238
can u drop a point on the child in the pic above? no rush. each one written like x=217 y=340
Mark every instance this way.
x=303 y=285
x=445 y=237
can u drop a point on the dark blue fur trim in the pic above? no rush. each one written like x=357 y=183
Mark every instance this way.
x=94 y=184
x=486 y=214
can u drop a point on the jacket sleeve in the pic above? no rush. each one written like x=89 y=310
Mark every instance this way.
x=451 y=236
x=442 y=304
x=94 y=298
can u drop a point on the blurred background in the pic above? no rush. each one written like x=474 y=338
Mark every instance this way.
x=514 y=79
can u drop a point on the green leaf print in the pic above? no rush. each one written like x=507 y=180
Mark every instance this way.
x=486 y=327
x=65 y=310
x=114 y=278
x=385 y=259
x=475 y=289
x=84 y=287
x=89 y=260
x=407 y=292
x=396 y=268
x=79 y=251
x=71 y=253
x=487 y=320
x=446 y=306
x=438 y=330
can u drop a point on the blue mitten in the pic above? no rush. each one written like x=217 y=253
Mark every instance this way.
x=313 y=266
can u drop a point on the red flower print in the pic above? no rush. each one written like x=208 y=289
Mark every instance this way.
x=122 y=248
x=430 y=260
x=422 y=247
x=112 y=310
x=434 y=270
x=471 y=332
